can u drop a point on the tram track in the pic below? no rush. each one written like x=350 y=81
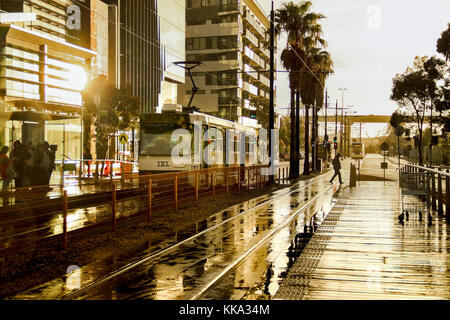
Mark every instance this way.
x=165 y=251
x=234 y=264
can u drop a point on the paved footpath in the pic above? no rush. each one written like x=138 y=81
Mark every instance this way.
x=361 y=251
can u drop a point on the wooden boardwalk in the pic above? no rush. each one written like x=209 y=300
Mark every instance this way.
x=361 y=251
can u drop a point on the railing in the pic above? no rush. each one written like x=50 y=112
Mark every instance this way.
x=438 y=196
x=39 y=215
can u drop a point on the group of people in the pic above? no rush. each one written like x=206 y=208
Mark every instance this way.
x=28 y=165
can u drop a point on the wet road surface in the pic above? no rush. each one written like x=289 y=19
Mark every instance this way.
x=187 y=268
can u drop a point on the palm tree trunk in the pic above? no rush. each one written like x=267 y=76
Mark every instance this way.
x=292 y=172
x=297 y=134
x=306 y=161
x=313 y=139
x=316 y=137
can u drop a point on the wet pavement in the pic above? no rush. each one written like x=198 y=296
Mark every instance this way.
x=183 y=271
x=362 y=251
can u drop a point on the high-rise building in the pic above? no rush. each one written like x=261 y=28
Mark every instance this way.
x=152 y=38
x=229 y=37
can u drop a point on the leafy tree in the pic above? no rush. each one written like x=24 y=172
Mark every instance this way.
x=443 y=43
x=109 y=109
x=414 y=91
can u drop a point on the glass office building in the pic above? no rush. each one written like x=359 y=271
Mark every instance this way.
x=43 y=72
x=152 y=38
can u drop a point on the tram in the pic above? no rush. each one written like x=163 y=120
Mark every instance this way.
x=358 y=152
x=157 y=142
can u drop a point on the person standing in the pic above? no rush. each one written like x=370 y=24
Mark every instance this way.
x=4 y=165
x=337 y=168
x=16 y=157
x=87 y=158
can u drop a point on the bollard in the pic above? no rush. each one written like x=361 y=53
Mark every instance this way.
x=149 y=198
x=433 y=191
x=248 y=179
x=176 y=192
x=65 y=209
x=440 y=197
x=114 y=207
x=447 y=199
x=227 y=182
x=196 y=188
x=213 y=183
x=279 y=171
x=352 y=175
x=239 y=180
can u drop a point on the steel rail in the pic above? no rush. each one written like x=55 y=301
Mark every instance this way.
x=163 y=251
x=262 y=241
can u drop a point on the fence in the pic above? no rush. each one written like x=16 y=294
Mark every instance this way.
x=440 y=186
x=52 y=214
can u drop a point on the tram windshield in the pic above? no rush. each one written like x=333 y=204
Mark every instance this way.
x=156 y=133
x=158 y=143
x=357 y=148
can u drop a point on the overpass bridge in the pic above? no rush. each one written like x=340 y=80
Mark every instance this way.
x=347 y=121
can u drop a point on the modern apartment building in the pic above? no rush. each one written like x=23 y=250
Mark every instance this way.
x=229 y=37
x=46 y=55
x=152 y=38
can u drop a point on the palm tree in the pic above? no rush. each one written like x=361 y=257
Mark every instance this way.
x=303 y=31
x=289 y=61
x=324 y=67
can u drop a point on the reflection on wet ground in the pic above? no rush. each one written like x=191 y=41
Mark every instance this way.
x=178 y=274
x=366 y=253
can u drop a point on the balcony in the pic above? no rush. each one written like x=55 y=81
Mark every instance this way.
x=254 y=60
x=231 y=7
x=250 y=37
x=229 y=101
x=254 y=24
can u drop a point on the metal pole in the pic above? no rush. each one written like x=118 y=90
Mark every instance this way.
x=196 y=188
x=440 y=196
x=114 y=207
x=271 y=90
x=326 y=119
x=335 y=127
x=176 y=192
x=65 y=209
x=447 y=198
x=149 y=187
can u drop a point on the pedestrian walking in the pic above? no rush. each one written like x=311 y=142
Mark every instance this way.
x=337 y=168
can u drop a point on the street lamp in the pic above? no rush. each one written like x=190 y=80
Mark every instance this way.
x=342 y=119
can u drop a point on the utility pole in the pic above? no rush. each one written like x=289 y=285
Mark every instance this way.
x=326 y=122
x=342 y=119
x=335 y=127
x=271 y=93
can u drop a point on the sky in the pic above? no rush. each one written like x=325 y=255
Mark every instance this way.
x=371 y=41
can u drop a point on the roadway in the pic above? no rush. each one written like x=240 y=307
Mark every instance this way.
x=229 y=257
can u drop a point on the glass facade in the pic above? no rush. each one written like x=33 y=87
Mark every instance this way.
x=172 y=23
x=22 y=70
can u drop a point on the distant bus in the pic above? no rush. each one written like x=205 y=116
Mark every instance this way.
x=358 y=151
